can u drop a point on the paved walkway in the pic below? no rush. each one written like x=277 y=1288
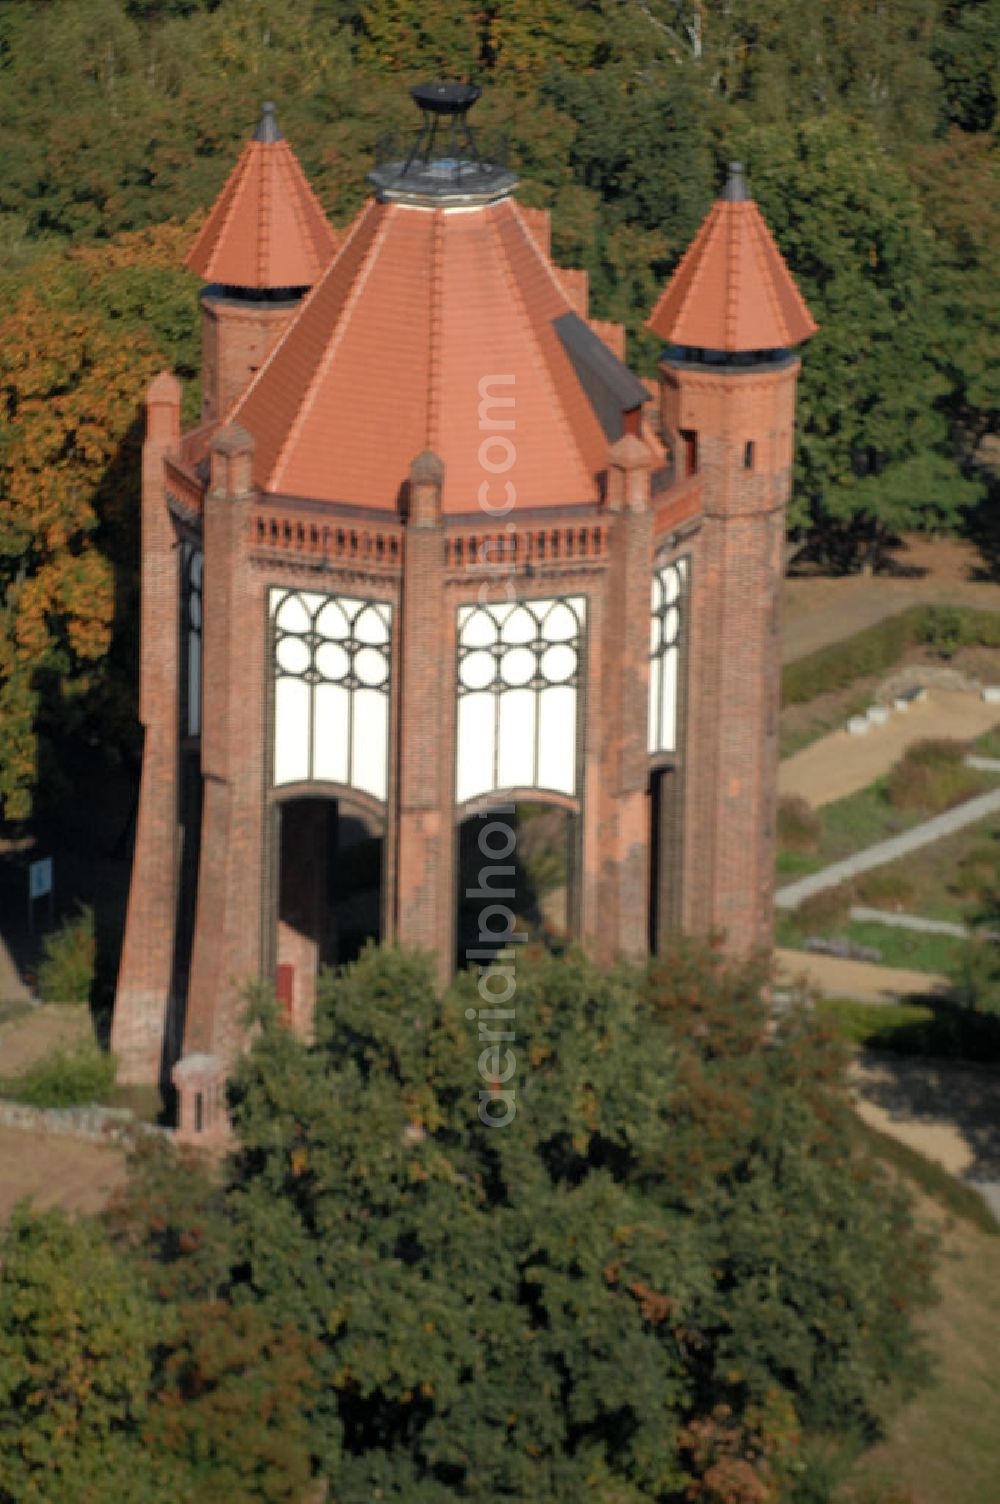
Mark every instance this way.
x=841 y=764
x=973 y=810
x=915 y=922
x=862 y=981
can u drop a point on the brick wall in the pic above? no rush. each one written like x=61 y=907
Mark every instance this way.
x=144 y=980
x=729 y=754
x=737 y=567
x=237 y=335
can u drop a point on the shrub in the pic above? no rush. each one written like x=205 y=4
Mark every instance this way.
x=879 y=648
x=66 y=1078
x=945 y=630
x=975 y=872
x=936 y=752
x=931 y=776
x=884 y=887
x=826 y=909
x=799 y=826
x=66 y=973
x=959 y=625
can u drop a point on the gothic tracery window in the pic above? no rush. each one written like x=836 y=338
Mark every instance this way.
x=192 y=567
x=519 y=671
x=331 y=665
x=668 y=602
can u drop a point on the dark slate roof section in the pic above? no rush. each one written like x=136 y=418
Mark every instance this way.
x=610 y=387
x=736 y=190
x=267 y=127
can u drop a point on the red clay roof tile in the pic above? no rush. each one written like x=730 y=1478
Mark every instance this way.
x=388 y=356
x=266 y=229
x=732 y=290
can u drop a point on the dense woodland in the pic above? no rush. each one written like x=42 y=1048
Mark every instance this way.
x=868 y=128
x=675 y=1278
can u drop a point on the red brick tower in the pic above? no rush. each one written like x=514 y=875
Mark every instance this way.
x=729 y=317
x=433 y=573
x=265 y=242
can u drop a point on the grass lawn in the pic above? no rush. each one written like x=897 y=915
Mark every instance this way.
x=860 y=820
x=936 y=1029
x=940 y=881
x=988 y=745
x=903 y=948
x=943 y=1447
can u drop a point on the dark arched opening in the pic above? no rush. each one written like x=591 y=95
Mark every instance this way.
x=328 y=898
x=665 y=855
x=516 y=870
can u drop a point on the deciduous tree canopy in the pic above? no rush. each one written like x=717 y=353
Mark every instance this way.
x=673 y=1275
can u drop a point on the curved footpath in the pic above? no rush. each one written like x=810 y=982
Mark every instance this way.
x=973 y=810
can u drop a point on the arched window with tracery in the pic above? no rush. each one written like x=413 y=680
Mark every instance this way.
x=519 y=675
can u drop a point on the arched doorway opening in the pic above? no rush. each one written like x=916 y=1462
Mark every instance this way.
x=665 y=855
x=517 y=867
x=328 y=893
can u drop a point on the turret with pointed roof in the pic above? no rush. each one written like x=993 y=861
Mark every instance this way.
x=266 y=229
x=729 y=317
x=732 y=291
x=265 y=242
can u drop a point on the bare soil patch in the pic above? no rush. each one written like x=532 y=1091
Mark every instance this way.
x=820 y=609
x=840 y=764
x=74 y=1174
x=862 y=980
x=49 y=1027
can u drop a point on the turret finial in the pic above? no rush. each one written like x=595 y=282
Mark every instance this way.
x=736 y=190
x=267 y=127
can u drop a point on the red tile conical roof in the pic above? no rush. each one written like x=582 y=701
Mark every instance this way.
x=732 y=290
x=425 y=318
x=266 y=228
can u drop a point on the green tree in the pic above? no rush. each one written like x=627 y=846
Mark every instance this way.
x=874 y=451
x=966 y=54
x=76 y=1328
x=676 y=1220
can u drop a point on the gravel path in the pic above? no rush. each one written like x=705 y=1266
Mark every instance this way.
x=841 y=764
x=790 y=896
x=863 y=981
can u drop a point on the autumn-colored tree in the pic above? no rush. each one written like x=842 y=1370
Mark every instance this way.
x=76 y=1329
x=78 y=345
